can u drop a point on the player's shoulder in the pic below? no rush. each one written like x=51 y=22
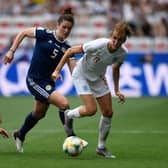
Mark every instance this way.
x=103 y=39
x=99 y=41
x=48 y=31
x=67 y=42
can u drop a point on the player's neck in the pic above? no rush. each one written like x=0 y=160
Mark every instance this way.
x=58 y=37
x=110 y=48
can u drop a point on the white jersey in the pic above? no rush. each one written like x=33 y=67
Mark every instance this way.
x=97 y=57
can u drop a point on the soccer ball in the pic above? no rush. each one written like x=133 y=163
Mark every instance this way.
x=73 y=146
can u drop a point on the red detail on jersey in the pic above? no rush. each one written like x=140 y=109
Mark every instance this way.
x=96 y=59
x=81 y=47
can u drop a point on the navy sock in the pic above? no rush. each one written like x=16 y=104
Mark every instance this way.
x=68 y=125
x=29 y=123
x=62 y=116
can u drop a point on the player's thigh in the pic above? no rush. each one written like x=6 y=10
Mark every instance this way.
x=105 y=104
x=58 y=100
x=89 y=102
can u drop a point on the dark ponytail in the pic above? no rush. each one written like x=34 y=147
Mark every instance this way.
x=68 y=11
x=67 y=16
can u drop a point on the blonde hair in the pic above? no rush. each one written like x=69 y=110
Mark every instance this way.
x=123 y=29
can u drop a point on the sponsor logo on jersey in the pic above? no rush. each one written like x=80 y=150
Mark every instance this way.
x=85 y=88
x=50 y=41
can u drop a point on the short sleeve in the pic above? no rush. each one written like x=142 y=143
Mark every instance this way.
x=94 y=45
x=42 y=33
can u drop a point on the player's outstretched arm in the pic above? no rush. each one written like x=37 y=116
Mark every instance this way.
x=70 y=52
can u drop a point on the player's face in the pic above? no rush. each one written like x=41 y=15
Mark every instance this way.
x=64 y=30
x=117 y=39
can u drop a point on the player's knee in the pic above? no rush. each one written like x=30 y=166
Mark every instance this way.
x=91 y=111
x=108 y=113
x=64 y=105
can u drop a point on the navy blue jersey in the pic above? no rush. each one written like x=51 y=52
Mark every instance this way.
x=47 y=54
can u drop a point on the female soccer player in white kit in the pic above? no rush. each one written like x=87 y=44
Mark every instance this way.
x=89 y=78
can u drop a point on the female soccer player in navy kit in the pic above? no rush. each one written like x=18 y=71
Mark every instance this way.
x=49 y=49
x=90 y=82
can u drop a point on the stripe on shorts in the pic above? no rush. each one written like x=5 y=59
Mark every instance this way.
x=38 y=88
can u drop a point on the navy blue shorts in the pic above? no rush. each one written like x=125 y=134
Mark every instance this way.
x=40 y=89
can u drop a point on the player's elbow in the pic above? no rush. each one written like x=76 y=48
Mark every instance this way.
x=70 y=52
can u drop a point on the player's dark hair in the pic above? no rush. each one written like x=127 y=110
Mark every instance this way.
x=67 y=16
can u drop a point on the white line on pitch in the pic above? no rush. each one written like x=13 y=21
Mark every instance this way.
x=48 y=131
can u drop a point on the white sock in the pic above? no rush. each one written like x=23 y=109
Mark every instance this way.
x=74 y=113
x=104 y=129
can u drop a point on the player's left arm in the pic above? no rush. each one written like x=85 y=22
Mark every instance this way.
x=116 y=75
x=28 y=32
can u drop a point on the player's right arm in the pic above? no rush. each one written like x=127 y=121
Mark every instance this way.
x=71 y=51
x=29 y=32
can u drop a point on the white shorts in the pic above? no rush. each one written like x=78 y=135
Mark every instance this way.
x=83 y=86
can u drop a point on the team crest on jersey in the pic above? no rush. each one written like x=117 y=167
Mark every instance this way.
x=96 y=59
x=63 y=49
x=85 y=88
x=48 y=87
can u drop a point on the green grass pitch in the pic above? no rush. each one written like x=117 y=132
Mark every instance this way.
x=139 y=136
